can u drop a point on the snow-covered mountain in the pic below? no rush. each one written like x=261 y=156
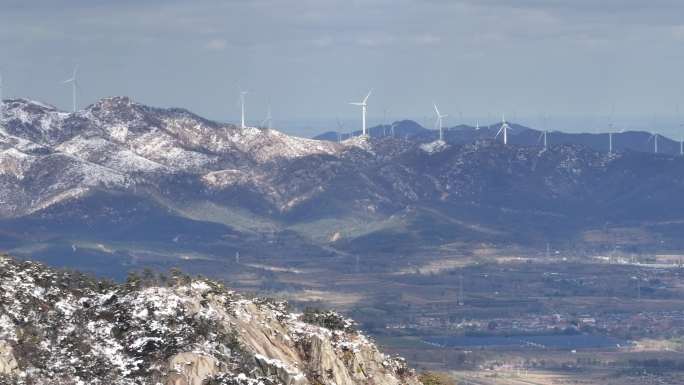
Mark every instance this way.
x=65 y=328
x=47 y=156
x=118 y=170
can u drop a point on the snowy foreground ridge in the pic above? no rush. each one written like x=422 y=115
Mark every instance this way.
x=65 y=328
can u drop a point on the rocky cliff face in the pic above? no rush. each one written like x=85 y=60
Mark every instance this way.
x=64 y=328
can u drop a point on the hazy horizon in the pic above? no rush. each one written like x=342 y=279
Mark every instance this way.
x=573 y=62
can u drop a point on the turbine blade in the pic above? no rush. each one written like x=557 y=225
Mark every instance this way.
x=498 y=133
x=367 y=96
x=436 y=109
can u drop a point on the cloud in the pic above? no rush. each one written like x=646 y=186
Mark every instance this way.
x=323 y=41
x=678 y=32
x=426 y=39
x=216 y=45
x=375 y=40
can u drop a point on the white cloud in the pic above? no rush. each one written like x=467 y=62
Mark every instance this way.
x=215 y=45
x=323 y=41
x=375 y=40
x=426 y=39
x=678 y=32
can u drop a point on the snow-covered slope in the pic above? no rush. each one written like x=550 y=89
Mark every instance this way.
x=65 y=328
x=117 y=144
x=185 y=164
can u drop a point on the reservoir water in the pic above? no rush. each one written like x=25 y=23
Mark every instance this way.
x=575 y=341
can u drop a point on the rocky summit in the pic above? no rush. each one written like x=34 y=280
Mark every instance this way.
x=60 y=327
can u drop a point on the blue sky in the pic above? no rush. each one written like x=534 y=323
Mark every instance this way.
x=574 y=61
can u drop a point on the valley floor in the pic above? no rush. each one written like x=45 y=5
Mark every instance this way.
x=581 y=317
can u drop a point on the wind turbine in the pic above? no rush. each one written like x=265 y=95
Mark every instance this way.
x=340 y=127
x=681 y=142
x=654 y=137
x=439 y=122
x=1 y=89
x=242 y=108
x=74 y=85
x=610 y=138
x=384 y=122
x=364 y=110
x=504 y=129
x=544 y=135
x=268 y=119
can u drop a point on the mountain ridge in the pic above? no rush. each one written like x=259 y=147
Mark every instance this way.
x=210 y=190
x=519 y=135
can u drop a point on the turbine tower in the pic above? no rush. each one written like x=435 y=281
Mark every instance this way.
x=384 y=122
x=268 y=121
x=610 y=129
x=504 y=129
x=654 y=137
x=2 y=104
x=340 y=128
x=364 y=110
x=610 y=138
x=439 y=122
x=544 y=135
x=74 y=85
x=242 y=108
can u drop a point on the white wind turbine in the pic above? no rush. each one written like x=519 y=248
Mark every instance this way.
x=2 y=102
x=74 y=84
x=268 y=121
x=364 y=110
x=654 y=136
x=544 y=135
x=439 y=122
x=340 y=129
x=242 y=109
x=611 y=130
x=681 y=142
x=610 y=138
x=504 y=129
x=681 y=137
x=384 y=122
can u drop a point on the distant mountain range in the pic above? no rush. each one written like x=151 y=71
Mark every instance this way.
x=519 y=135
x=120 y=183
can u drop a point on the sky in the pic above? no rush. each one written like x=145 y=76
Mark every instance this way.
x=580 y=63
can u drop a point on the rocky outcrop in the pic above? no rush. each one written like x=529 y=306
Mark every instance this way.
x=191 y=368
x=172 y=331
x=8 y=364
